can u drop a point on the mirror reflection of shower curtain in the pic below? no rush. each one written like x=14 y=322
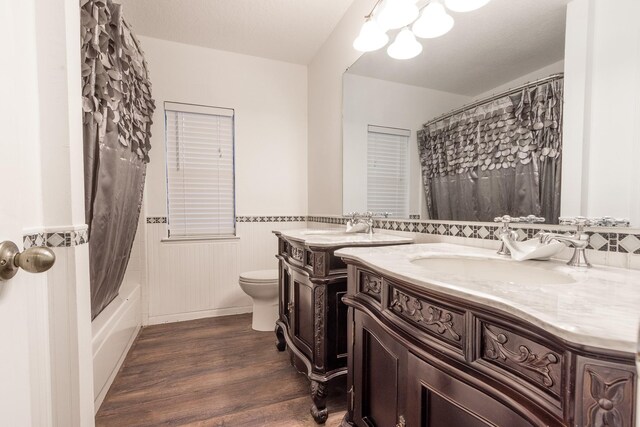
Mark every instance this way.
x=501 y=157
x=118 y=108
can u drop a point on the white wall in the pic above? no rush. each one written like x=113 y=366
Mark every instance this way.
x=556 y=67
x=369 y=101
x=601 y=126
x=325 y=111
x=270 y=102
x=188 y=280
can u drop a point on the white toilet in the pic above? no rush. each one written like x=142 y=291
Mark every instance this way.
x=262 y=286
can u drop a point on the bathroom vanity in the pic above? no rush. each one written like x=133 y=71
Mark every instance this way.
x=443 y=335
x=312 y=321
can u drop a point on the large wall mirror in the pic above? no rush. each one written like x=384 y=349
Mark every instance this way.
x=386 y=101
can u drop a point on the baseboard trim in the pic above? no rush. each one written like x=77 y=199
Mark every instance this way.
x=193 y=315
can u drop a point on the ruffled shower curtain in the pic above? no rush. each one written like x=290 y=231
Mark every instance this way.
x=118 y=108
x=501 y=157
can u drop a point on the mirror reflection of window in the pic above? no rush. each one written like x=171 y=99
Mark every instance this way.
x=388 y=171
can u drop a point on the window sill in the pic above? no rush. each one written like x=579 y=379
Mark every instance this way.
x=201 y=239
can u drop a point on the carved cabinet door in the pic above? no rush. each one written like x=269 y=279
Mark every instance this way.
x=301 y=313
x=437 y=399
x=379 y=376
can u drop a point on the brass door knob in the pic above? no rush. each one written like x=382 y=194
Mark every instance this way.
x=34 y=260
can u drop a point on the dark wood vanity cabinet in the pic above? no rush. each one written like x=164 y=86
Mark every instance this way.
x=417 y=358
x=312 y=322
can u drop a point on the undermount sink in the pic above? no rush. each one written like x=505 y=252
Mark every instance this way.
x=326 y=233
x=492 y=270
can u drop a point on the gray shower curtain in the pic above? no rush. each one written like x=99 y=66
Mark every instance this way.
x=118 y=108
x=501 y=157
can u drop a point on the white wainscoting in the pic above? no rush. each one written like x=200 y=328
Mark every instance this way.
x=195 y=279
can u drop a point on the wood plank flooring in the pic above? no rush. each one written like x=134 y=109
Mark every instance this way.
x=211 y=372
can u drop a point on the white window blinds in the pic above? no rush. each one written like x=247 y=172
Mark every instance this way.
x=388 y=171
x=200 y=170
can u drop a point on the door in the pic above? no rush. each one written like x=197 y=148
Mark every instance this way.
x=379 y=375
x=24 y=375
x=302 y=312
x=437 y=399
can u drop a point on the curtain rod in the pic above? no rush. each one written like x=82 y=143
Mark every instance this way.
x=494 y=97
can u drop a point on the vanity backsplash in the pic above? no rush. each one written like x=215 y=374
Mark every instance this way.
x=612 y=246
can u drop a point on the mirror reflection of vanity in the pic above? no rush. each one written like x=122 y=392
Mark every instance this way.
x=386 y=103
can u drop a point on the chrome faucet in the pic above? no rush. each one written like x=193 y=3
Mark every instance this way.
x=579 y=240
x=360 y=223
x=506 y=233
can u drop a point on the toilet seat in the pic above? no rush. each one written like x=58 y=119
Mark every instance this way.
x=259 y=276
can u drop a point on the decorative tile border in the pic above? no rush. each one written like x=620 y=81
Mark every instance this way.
x=60 y=239
x=605 y=241
x=275 y=218
x=156 y=220
x=328 y=219
x=599 y=240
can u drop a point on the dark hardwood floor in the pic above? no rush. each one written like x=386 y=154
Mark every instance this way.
x=211 y=372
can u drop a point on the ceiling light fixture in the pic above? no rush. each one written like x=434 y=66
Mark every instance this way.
x=393 y=14
x=434 y=22
x=405 y=46
x=372 y=37
x=396 y=14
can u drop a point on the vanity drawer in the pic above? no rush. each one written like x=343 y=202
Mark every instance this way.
x=521 y=356
x=296 y=254
x=369 y=285
x=438 y=320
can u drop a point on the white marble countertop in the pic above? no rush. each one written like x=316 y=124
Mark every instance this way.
x=338 y=237
x=601 y=308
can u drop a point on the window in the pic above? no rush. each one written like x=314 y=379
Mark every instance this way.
x=200 y=170
x=388 y=171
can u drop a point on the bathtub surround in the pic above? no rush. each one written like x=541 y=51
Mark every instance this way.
x=118 y=110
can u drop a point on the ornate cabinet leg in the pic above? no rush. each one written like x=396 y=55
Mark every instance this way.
x=319 y=397
x=346 y=421
x=281 y=344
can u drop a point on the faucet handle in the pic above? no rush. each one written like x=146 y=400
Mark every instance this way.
x=575 y=220
x=532 y=219
x=579 y=221
x=506 y=219
x=609 y=221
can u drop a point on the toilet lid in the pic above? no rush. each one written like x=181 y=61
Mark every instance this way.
x=259 y=276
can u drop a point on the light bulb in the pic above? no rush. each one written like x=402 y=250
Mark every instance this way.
x=405 y=46
x=434 y=22
x=395 y=14
x=372 y=37
x=465 y=5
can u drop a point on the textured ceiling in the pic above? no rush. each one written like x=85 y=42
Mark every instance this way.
x=490 y=46
x=286 y=30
